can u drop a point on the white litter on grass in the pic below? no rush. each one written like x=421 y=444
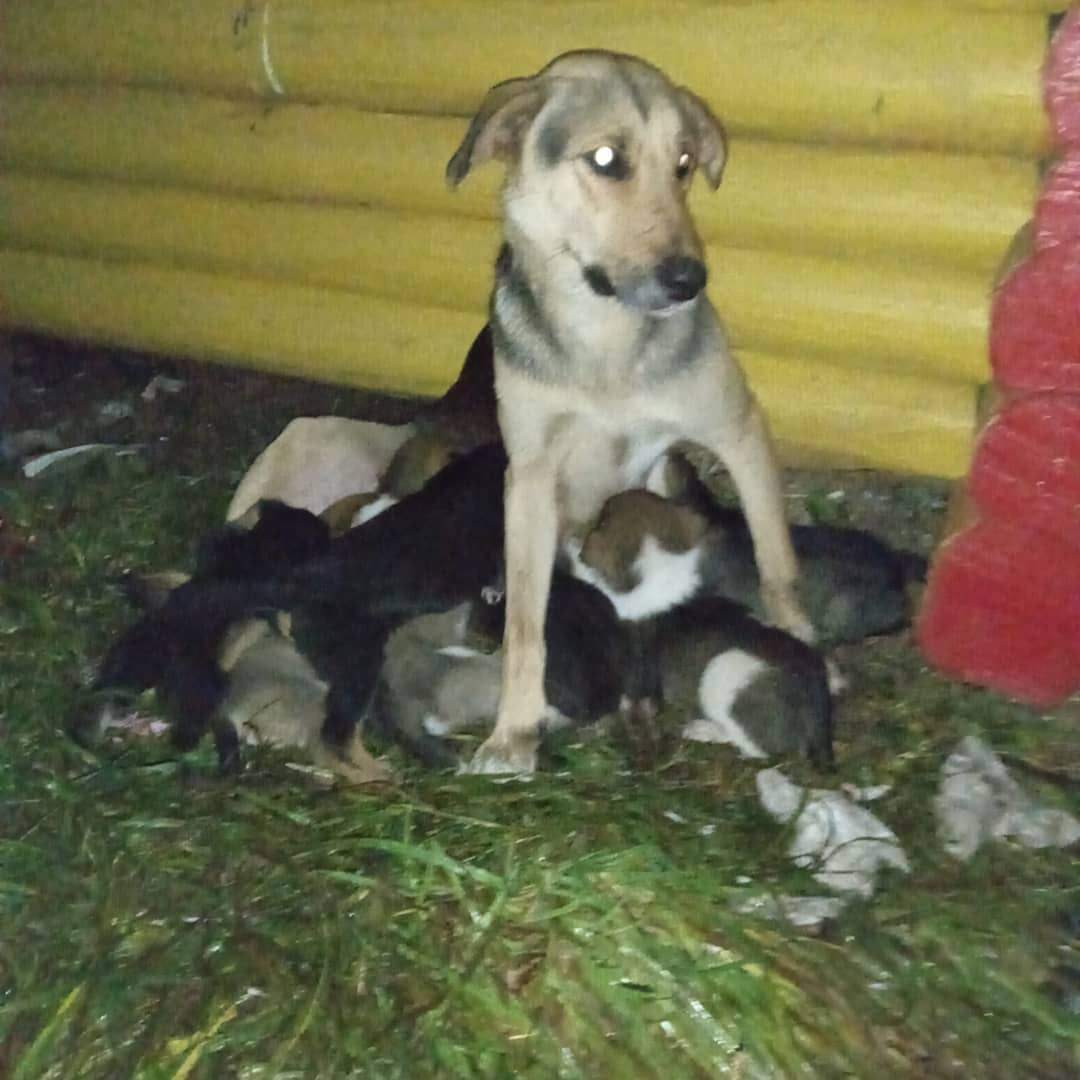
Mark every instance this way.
x=674 y=815
x=865 y=794
x=843 y=844
x=37 y=465
x=162 y=384
x=979 y=800
x=132 y=722
x=112 y=411
x=72 y=456
x=806 y=912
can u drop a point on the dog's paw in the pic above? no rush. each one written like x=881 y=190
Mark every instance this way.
x=503 y=757
x=785 y=612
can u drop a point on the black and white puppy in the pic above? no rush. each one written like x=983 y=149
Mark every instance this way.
x=743 y=682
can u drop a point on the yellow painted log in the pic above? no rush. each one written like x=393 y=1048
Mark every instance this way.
x=891 y=316
x=848 y=417
x=896 y=73
x=823 y=416
x=888 y=316
x=417 y=258
x=329 y=335
x=959 y=210
x=1047 y=7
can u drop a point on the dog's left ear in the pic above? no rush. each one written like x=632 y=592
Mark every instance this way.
x=498 y=129
x=708 y=134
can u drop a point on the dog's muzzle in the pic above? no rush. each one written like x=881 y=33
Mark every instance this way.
x=681 y=277
x=673 y=282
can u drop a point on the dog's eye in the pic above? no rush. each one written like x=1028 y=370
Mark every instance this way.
x=685 y=165
x=609 y=162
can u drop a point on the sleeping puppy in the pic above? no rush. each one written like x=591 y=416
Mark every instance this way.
x=743 y=682
x=433 y=685
x=429 y=552
x=852 y=585
x=442 y=673
x=274 y=697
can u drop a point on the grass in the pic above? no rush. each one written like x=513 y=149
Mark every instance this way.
x=161 y=922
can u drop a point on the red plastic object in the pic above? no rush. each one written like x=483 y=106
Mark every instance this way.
x=1035 y=323
x=1027 y=466
x=1057 y=213
x=1061 y=80
x=1002 y=604
x=1002 y=609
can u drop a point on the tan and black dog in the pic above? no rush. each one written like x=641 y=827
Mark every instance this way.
x=606 y=349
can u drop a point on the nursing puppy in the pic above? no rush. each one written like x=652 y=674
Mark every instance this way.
x=852 y=584
x=433 y=685
x=275 y=697
x=606 y=348
x=442 y=673
x=742 y=682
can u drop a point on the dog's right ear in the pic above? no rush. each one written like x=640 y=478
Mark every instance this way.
x=499 y=127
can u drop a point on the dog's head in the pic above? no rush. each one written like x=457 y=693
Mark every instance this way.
x=601 y=150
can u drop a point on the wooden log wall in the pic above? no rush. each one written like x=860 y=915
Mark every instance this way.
x=260 y=182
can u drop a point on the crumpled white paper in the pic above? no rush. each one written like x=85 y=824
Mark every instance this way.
x=843 y=843
x=805 y=912
x=978 y=800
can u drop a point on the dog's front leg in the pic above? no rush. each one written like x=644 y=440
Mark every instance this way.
x=748 y=453
x=531 y=534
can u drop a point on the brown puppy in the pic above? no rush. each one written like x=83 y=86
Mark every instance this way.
x=606 y=348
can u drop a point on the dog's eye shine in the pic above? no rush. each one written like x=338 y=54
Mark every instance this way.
x=685 y=165
x=608 y=161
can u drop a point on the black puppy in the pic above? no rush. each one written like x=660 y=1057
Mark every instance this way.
x=432 y=550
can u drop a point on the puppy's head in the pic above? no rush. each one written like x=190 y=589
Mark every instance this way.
x=601 y=150
x=643 y=553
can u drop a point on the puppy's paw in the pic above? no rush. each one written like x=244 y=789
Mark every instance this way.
x=353 y=764
x=838 y=681
x=374 y=771
x=502 y=757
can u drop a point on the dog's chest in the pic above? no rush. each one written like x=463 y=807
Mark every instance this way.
x=601 y=460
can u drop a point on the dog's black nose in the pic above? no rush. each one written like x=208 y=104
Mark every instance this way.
x=681 y=277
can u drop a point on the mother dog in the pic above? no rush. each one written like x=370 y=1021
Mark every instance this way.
x=606 y=349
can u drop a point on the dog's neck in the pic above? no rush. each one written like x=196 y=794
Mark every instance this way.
x=547 y=322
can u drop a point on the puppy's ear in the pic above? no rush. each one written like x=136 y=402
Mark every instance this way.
x=499 y=127
x=710 y=141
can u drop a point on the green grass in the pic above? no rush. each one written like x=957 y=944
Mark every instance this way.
x=161 y=922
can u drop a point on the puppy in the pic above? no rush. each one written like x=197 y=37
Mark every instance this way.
x=274 y=697
x=431 y=551
x=852 y=584
x=741 y=682
x=442 y=673
x=606 y=349
x=433 y=686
